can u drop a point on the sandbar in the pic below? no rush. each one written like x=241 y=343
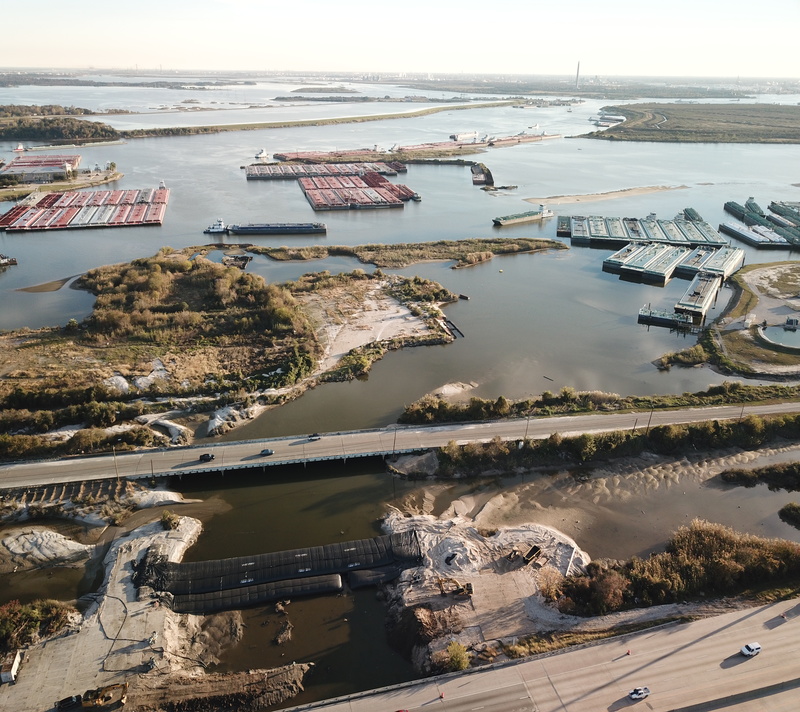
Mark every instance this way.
x=610 y=195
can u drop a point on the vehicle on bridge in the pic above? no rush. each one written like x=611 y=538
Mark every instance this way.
x=267 y=451
x=639 y=693
x=207 y=457
x=315 y=436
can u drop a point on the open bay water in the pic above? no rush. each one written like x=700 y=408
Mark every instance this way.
x=544 y=322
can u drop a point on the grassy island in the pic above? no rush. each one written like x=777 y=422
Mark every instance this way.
x=704 y=123
x=182 y=331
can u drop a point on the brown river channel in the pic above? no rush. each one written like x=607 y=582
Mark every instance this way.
x=616 y=511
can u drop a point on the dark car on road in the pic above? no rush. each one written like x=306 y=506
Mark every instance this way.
x=69 y=703
x=207 y=457
x=267 y=451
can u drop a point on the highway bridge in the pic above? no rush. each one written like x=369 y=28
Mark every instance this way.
x=381 y=442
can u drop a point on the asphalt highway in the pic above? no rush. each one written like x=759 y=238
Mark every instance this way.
x=689 y=667
x=344 y=445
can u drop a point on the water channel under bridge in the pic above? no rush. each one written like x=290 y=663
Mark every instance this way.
x=203 y=587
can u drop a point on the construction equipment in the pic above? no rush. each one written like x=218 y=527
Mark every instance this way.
x=459 y=590
x=110 y=697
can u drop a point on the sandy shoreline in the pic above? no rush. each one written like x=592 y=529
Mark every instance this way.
x=610 y=195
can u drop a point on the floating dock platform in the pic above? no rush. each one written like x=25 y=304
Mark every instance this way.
x=78 y=209
x=599 y=231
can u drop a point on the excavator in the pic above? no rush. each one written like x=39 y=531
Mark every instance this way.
x=110 y=697
x=460 y=590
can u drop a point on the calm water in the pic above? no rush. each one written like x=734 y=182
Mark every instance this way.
x=542 y=323
x=787 y=337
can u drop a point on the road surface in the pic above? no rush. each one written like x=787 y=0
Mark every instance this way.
x=689 y=667
x=344 y=445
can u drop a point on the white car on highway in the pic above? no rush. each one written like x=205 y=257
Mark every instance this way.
x=751 y=649
x=639 y=693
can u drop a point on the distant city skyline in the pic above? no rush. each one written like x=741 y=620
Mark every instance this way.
x=683 y=38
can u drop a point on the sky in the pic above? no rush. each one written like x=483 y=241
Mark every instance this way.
x=691 y=38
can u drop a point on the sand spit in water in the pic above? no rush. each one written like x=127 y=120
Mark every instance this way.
x=610 y=195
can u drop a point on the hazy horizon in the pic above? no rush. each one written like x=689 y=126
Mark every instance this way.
x=619 y=38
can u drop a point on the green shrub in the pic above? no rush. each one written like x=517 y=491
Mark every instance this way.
x=169 y=520
x=458 y=657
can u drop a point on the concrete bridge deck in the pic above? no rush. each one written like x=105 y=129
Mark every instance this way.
x=382 y=442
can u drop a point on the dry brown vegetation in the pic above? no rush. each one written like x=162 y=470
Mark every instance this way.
x=463 y=252
x=700 y=559
x=215 y=335
x=712 y=123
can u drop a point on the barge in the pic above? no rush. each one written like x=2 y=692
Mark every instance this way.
x=662 y=317
x=687 y=230
x=531 y=216
x=77 y=209
x=278 y=229
x=699 y=296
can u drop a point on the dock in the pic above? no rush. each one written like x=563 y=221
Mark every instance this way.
x=88 y=209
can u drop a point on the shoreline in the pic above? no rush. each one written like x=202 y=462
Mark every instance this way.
x=610 y=195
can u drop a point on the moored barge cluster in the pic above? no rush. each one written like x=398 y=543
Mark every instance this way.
x=84 y=209
x=659 y=263
x=688 y=229
x=370 y=190
x=293 y=171
x=777 y=229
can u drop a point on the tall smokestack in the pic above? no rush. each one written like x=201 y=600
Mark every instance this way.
x=578 y=76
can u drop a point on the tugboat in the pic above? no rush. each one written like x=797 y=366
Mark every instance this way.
x=217 y=228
